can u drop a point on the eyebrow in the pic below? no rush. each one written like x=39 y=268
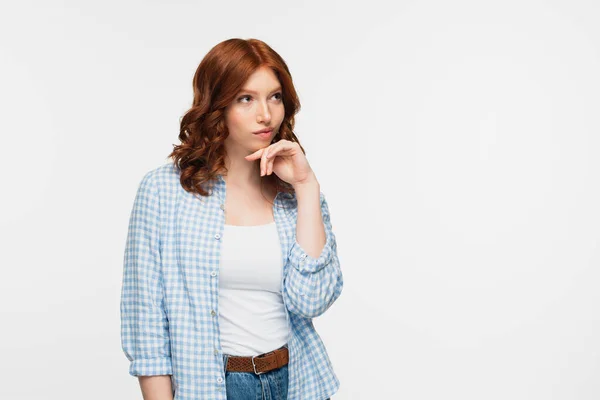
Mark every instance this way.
x=252 y=91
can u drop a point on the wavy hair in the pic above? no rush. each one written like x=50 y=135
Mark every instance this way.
x=218 y=79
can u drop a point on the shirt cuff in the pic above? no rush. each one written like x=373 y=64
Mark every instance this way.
x=305 y=263
x=151 y=366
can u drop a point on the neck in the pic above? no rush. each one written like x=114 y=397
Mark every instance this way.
x=241 y=172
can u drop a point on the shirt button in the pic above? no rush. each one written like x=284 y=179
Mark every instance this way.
x=219 y=379
x=213 y=313
x=303 y=256
x=217 y=236
x=222 y=206
x=216 y=352
x=214 y=273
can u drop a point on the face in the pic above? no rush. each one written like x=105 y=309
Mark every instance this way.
x=258 y=106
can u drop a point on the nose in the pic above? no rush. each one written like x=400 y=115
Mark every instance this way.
x=263 y=114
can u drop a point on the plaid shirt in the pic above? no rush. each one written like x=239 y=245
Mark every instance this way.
x=169 y=298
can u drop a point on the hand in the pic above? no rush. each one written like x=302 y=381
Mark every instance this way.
x=286 y=160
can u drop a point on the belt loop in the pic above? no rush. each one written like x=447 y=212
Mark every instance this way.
x=278 y=359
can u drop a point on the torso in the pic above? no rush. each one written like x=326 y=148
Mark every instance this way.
x=248 y=207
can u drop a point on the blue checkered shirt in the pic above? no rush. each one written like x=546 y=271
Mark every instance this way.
x=169 y=298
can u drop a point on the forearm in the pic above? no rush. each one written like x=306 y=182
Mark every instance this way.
x=310 y=231
x=314 y=280
x=156 y=387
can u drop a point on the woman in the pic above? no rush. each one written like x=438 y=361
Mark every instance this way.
x=230 y=251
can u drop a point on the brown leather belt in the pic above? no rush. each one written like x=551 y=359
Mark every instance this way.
x=259 y=364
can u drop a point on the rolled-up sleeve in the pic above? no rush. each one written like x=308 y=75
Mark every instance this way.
x=311 y=284
x=144 y=324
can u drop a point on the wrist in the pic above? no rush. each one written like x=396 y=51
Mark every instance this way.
x=309 y=182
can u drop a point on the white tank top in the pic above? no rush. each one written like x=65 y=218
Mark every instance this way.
x=252 y=317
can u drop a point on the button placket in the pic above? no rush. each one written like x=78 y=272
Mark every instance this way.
x=213 y=312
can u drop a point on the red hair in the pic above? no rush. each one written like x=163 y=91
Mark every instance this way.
x=218 y=79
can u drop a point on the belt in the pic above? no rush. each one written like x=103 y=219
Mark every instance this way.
x=259 y=364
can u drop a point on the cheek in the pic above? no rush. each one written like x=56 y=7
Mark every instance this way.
x=280 y=111
x=237 y=120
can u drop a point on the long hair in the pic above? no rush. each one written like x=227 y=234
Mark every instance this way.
x=219 y=77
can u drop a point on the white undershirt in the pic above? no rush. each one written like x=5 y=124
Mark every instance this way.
x=252 y=317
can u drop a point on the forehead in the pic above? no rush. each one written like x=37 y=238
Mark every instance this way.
x=262 y=80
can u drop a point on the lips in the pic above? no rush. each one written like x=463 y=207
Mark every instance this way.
x=263 y=131
x=265 y=135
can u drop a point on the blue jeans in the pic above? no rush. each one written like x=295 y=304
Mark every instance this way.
x=271 y=385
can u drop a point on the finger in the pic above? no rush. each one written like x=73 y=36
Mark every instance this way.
x=269 y=155
x=254 y=155
x=270 y=167
x=276 y=149
x=283 y=146
x=263 y=162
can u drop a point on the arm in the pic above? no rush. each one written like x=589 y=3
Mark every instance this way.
x=156 y=387
x=144 y=324
x=314 y=280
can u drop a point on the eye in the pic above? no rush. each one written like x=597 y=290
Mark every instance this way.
x=247 y=96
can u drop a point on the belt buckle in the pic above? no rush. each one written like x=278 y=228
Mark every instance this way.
x=254 y=366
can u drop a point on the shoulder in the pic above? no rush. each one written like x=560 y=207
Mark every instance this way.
x=159 y=186
x=163 y=173
x=162 y=178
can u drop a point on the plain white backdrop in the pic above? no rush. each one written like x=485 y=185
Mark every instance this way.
x=457 y=143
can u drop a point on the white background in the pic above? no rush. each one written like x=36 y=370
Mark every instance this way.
x=457 y=143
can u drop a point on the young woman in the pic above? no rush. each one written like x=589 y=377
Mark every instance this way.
x=230 y=251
